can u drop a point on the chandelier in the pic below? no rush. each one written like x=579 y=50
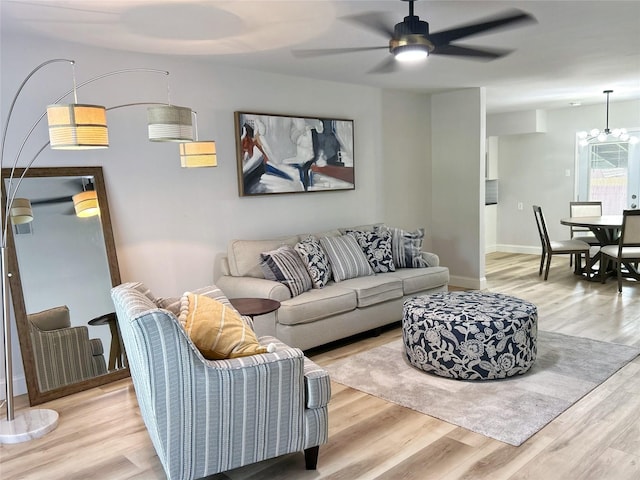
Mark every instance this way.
x=617 y=134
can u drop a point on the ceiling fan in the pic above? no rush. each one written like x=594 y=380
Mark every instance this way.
x=410 y=39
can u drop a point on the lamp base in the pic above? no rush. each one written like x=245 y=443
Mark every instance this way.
x=28 y=425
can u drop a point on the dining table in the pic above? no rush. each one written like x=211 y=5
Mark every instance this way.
x=606 y=229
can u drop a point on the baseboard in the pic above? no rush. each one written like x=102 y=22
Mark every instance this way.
x=468 y=282
x=19 y=387
x=519 y=249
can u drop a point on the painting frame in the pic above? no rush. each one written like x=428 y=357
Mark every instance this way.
x=284 y=153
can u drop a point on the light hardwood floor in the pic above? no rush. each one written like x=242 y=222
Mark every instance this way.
x=101 y=434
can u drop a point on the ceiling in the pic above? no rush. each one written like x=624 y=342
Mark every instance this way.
x=574 y=51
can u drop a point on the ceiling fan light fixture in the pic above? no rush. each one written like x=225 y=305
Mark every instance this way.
x=411 y=53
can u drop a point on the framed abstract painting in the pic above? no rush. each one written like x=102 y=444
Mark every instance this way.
x=293 y=154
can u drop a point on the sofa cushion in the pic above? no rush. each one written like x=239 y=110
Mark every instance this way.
x=374 y=289
x=244 y=255
x=377 y=248
x=315 y=259
x=316 y=304
x=406 y=246
x=284 y=265
x=346 y=257
x=216 y=329
x=419 y=279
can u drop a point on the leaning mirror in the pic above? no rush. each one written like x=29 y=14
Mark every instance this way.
x=62 y=265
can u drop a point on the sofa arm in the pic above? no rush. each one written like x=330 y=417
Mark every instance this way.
x=239 y=287
x=431 y=258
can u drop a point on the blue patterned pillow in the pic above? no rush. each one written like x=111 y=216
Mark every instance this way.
x=346 y=257
x=406 y=246
x=284 y=265
x=377 y=248
x=315 y=259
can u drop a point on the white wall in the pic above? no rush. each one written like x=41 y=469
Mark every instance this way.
x=532 y=171
x=406 y=160
x=171 y=224
x=458 y=172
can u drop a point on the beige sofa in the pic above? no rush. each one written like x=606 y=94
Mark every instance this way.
x=322 y=315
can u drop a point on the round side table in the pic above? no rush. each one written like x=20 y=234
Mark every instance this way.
x=116 y=357
x=252 y=307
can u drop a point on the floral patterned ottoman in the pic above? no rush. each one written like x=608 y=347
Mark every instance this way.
x=470 y=335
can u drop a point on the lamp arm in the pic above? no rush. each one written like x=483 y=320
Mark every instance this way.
x=15 y=97
x=195 y=123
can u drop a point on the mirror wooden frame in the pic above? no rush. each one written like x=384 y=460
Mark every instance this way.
x=36 y=396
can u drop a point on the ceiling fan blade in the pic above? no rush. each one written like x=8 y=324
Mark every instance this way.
x=332 y=51
x=389 y=65
x=481 y=54
x=375 y=21
x=508 y=18
x=48 y=201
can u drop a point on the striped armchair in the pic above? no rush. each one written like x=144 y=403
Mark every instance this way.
x=63 y=354
x=209 y=416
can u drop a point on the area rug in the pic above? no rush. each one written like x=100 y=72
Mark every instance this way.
x=509 y=410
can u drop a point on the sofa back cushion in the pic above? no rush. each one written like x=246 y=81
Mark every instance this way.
x=244 y=255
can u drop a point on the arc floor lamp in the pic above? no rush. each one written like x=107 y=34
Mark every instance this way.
x=72 y=126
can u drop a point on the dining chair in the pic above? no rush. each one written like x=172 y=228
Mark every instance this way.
x=576 y=248
x=627 y=252
x=584 y=209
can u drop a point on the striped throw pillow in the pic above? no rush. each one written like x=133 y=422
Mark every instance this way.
x=284 y=265
x=406 y=246
x=346 y=257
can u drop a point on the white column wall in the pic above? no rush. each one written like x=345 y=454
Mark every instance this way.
x=406 y=162
x=458 y=172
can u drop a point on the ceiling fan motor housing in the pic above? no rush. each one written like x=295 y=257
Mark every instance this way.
x=411 y=25
x=412 y=33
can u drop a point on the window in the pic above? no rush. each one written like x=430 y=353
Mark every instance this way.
x=609 y=172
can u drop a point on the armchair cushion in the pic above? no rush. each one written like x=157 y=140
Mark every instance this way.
x=216 y=329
